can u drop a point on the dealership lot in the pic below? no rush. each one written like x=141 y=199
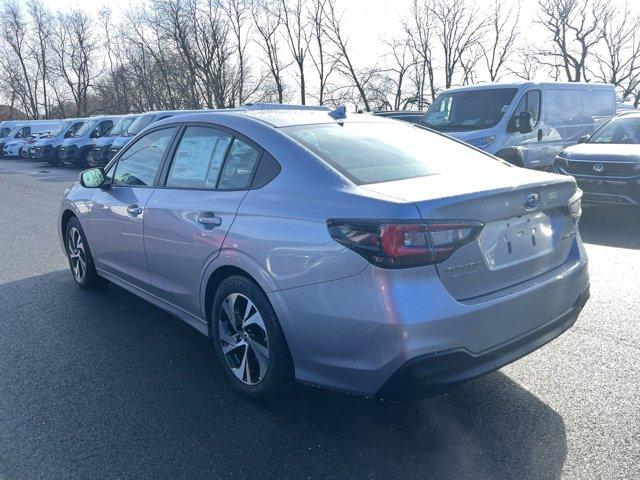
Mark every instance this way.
x=104 y=385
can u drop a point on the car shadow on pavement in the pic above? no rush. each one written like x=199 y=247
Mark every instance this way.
x=613 y=226
x=101 y=384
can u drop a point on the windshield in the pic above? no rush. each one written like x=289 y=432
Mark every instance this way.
x=14 y=131
x=85 y=129
x=121 y=126
x=140 y=123
x=60 y=129
x=4 y=131
x=382 y=152
x=469 y=110
x=618 y=130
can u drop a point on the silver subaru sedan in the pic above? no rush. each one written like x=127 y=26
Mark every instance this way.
x=351 y=252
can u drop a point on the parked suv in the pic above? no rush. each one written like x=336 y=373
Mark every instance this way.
x=528 y=123
x=75 y=150
x=607 y=164
x=99 y=155
x=46 y=149
x=357 y=253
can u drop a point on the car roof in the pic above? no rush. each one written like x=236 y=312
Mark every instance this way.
x=564 y=85
x=277 y=117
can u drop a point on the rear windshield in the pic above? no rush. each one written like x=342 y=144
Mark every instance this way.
x=383 y=152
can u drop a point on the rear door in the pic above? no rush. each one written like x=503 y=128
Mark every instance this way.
x=187 y=218
x=117 y=214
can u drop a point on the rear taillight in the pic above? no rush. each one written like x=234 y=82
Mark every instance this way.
x=574 y=208
x=404 y=244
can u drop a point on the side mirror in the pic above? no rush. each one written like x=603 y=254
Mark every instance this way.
x=68 y=135
x=584 y=139
x=93 y=178
x=524 y=122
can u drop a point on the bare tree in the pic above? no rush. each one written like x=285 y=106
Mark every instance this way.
x=75 y=51
x=618 y=62
x=267 y=16
x=419 y=31
x=576 y=27
x=41 y=24
x=297 y=34
x=458 y=31
x=400 y=63
x=344 y=63
x=15 y=35
x=322 y=62
x=238 y=12
x=503 y=33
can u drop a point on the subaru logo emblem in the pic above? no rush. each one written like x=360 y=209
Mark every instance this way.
x=598 y=168
x=531 y=201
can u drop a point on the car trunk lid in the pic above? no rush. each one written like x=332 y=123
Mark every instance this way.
x=526 y=232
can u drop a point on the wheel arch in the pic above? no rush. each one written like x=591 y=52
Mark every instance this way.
x=67 y=215
x=230 y=263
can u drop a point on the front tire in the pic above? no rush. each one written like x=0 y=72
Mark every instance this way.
x=248 y=340
x=79 y=256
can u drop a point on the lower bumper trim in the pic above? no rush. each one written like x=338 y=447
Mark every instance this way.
x=434 y=373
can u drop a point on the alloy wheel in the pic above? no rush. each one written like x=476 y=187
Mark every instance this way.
x=243 y=338
x=77 y=254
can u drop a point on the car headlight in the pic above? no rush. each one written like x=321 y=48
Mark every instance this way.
x=482 y=142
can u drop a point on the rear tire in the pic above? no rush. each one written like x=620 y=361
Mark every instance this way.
x=248 y=340
x=79 y=255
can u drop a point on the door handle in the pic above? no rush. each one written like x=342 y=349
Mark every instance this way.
x=134 y=210
x=209 y=219
x=540 y=133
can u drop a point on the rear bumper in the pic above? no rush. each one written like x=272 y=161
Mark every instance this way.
x=359 y=334
x=434 y=373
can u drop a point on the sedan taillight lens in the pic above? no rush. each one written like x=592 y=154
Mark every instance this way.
x=404 y=244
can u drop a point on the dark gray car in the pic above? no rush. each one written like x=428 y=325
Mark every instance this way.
x=607 y=164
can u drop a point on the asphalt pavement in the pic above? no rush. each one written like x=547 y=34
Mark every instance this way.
x=102 y=385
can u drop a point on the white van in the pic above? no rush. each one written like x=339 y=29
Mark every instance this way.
x=527 y=123
x=7 y=125
x=26 y=128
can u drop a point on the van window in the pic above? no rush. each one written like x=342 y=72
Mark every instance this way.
x=468 y=110
x=530 y=102
x=597 y=103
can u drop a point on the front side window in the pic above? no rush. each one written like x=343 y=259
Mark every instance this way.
x=530 y=102
x=382 y=152
x=198 y=158
x=618 y=131
x=139 y=165
x=102 y=129
x=469 y=110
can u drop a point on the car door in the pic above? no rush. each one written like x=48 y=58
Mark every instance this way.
x=117 y=213
x=188 y=217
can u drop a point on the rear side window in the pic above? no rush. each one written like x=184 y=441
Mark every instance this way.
x=198 y=158
x=139 y=165
x=382 y=152
x=239 y=166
